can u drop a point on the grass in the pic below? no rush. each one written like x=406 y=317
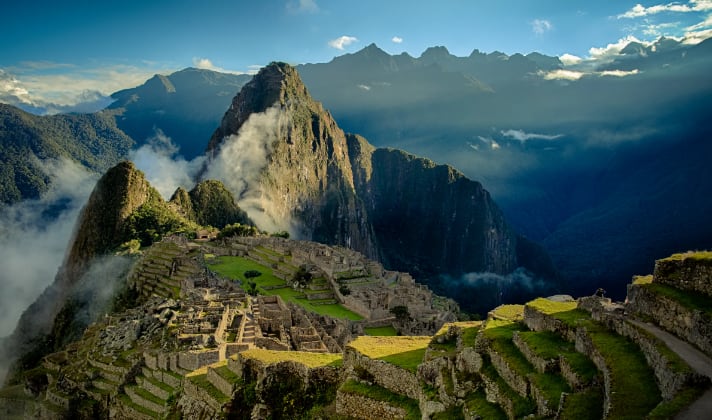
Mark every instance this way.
x=477 y=403
x=235 y=267
x=549 y=345
x=501 y=342
x=669 y=409
x=127 y=401
x=510 y=312
x=227 y=374
x=148 y=396
x=522 y=406
x=551 y=385
x=202 y=381
x=159 y=384
x=696 y=255
x=586 y=405
x=633 y=387
x=551 y=307
x=308 y=359
x=469 y=336
x=691 y=300
x=379 y=393
x=387 y=331
x=404 y=352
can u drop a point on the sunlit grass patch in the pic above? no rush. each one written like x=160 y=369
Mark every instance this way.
x=406 y=352
x=308 y=359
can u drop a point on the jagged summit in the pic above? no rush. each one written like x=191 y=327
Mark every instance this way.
x=276 y=82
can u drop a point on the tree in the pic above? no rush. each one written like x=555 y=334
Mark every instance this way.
x=250 y=274
x=400 y=312
x=302 y=277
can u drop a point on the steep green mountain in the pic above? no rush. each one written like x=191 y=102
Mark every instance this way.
x=186 y=106
x=93 y=140
x=123 y=212
x=337 y=189
x=210 y=204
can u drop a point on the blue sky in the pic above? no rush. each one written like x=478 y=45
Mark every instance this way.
x=68 y=52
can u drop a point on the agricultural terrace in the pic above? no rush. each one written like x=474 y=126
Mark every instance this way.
x=406 y=352
x=269 y=285
x=308 y=359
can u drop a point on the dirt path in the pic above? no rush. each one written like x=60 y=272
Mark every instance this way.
x=702 y=408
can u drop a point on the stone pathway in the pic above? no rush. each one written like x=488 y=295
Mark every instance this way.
x=702 y=408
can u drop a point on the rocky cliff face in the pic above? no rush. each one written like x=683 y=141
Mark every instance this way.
x=305 y=183
x=411 y=213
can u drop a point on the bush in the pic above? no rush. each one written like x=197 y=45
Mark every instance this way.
x=283 y=234
x=344 y=290
x=249 y=274
x=302 y=277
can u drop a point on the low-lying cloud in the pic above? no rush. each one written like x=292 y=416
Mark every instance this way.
x=523 y=136
x=343 y=41
x=164 y=168
x=34 y=235
x=240 y=164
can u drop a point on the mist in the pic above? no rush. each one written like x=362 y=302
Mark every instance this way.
x=34 y=235
x=240 y=164
x=162 y=165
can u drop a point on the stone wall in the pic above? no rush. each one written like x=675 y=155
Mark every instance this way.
x=540 y=364
x=539 y=321
x=361 y=407
x=222 y=384
x=194 y=392
x=389 y=376
x=137 y=399
x=517 y=382
x=191 y=360
x=685 y=273
x=670 y=380
x=691 y=325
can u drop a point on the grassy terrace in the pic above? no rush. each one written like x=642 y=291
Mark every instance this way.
x=691 y=300
x=127 y=401
x=308 y=359
x=634 y=392
x=522 y=406
x=586 y=405
x=404 y=352
x=549 y=345
x=235 y=267
x=379 y=393
x=508 y=312
x=202 y=381
x=477 y=403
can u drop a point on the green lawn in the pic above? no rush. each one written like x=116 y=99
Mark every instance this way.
x=235 y=267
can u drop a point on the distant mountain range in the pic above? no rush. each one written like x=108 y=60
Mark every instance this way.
x=604 y=160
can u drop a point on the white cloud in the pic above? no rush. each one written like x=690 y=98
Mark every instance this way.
x=561 y=74
x=540 y=26
x=342 y=41
x=302 y=6
x=207 y=64
x=494 y=145
x=523 y=136
x=397 y=39
x=33 y=244
x=618 y=73
x=614 y=49
x=692 y=6
x=364 y=87
x=163 y=168
x=693 y=38
x=570 y=59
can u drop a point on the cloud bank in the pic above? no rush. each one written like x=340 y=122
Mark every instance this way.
x=241 y=161
x=692 y=6
x=34 y=235
x=163 y=167
x=523 y=136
